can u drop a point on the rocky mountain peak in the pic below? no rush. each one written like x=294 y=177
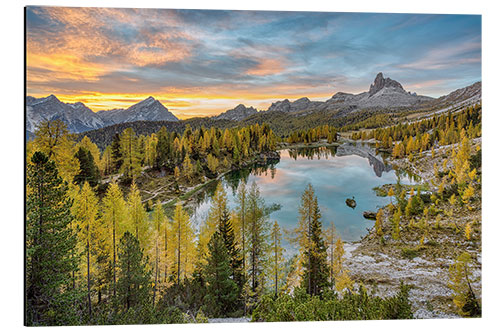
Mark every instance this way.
x=380 y=82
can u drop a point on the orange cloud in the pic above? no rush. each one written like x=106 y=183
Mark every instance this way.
x=267 y=67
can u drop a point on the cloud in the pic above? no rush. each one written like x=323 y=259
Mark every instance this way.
x=205 y=62
x=446 y=56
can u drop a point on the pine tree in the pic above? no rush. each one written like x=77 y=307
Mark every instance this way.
x=89 y=172
x=50 y=246
x=84 y=210
x=312 y=246
x=225 y=228
x=222 y=291
x=116 y=153
x=115 y=221
x=87 y=144
x=133 y=288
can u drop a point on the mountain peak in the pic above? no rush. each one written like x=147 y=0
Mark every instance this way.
x=380 y=82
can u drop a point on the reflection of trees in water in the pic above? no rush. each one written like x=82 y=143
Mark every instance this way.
x=402 y=173
x=233 y=178
x=313 y=152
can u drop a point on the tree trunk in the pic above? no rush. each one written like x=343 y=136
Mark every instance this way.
x=88 y=276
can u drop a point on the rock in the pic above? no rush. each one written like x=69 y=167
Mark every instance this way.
x=350 y=202
x=370 y=215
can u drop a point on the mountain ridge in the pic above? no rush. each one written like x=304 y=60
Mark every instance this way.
x=383 y=94
x=79 y=118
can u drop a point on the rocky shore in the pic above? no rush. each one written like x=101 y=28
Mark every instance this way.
x=380 y=263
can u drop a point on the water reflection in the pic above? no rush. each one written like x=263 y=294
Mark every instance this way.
x=335 y=176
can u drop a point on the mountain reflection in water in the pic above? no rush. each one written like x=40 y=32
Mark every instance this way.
x=336 y=173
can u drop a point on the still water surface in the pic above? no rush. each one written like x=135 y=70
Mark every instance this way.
x=333 y=177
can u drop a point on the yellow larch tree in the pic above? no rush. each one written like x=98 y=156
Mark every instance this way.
x=54 y=140
x=138 y=218
x=182 y=244
x=277 y=259
x=84 y=210
x=219 y=205
x=342 y=279
x=159 y=223
x=115 y=222
x=331 y=239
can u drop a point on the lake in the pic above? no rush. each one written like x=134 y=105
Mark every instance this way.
x=335 y=173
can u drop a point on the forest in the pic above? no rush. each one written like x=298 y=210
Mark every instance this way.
x=99 y=250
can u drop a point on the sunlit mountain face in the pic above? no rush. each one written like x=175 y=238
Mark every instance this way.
x=201 y=63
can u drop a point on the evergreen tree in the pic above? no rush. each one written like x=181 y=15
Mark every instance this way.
x=222 y=292
x=50 y=247
x=226 y=230
x=133 y=287
x=116 y=153
x=89 y=172
x=313 y=249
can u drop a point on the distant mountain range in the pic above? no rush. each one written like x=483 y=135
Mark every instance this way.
x=80 y=118
x=383 y=94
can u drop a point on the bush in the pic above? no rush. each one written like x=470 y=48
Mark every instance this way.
x=356 y=305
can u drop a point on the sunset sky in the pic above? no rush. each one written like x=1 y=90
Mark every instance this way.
x=200 y=63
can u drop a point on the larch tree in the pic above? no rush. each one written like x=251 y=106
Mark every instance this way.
x=182 y=240
x=241 y=212
x=342 y=279
x=331 y=239
x=464 y=297
x=54 y=140
x=50 y=244
x=159 y=222
x=115 y=221
x=138 y=217
x=277 y=259
x=217 y=209
x=258 y=232
x=131 y=166
x=84 y=210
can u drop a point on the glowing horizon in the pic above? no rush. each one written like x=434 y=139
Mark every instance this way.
x=201 y=63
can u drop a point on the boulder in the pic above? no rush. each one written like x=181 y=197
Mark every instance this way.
x=350 y=202
x=370 y=215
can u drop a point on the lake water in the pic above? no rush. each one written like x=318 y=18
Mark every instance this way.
x=334 y=178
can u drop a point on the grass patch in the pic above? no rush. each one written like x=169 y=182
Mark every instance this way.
x=380 y=191
x=409 y=253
